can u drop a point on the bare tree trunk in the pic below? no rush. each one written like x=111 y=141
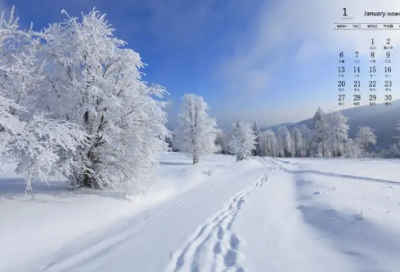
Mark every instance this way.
x=195 y=158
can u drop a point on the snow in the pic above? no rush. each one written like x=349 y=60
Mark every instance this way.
x=349 y=206
x=52 y=219
x=256 y=215
x=279 y=239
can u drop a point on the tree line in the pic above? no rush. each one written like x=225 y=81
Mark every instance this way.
x=328 y=136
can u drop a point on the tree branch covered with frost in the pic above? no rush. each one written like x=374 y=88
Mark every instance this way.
x=43 y=147
x=35 y=142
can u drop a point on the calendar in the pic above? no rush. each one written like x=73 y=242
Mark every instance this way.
x=369 y=78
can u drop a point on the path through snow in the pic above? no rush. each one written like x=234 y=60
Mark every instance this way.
x=214 y=246
x=145 y=243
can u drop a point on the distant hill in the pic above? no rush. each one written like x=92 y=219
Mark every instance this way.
x=383 y=119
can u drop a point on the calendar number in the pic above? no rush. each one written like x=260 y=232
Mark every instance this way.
x=378 y=78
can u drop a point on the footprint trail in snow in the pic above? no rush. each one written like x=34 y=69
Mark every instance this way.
x=213 y=246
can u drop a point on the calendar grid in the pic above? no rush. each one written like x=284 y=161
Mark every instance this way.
x=369 y=81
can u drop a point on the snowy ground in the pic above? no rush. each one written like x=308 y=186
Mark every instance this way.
x=253 y=216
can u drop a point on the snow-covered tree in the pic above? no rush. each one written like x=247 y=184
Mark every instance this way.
x=93 y=81
x=365 y=137
x=35 y=142
x=268 y=143
x=306 y=138
x=241 y=140
x=280 y=136
x=257 y=148
x=196 y=132
x=297 y=140
x=284 y=142
x=393 y=151
x=352 y=149
x=263 y=143
x=10 y=122
x=397 y=128
x=337 y=132
x=222 y=142
x=19 y=74
x=170 y=142
x=320 y=133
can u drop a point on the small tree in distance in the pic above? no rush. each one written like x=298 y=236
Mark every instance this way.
x=257 y=148
x=221 y=142
x=365 y=137
x=196 y=132
x=241 y=140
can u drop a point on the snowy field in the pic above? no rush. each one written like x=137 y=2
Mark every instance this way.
x=220 y=215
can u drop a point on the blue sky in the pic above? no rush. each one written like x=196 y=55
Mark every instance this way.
x=257 y=60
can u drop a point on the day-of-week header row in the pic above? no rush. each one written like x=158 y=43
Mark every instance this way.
x=368 y=26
